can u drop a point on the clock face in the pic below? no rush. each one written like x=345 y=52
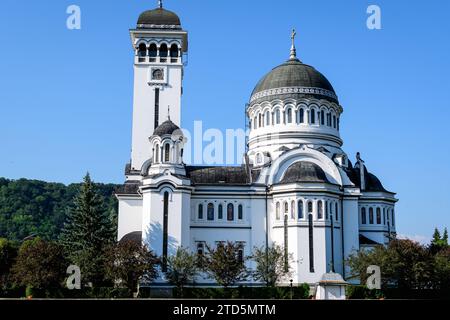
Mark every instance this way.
x=157 y=74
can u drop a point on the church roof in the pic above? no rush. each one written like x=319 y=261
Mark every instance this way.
x=129 y=187
x=218 y=175
x=292 y=74
x=158 y=18
x=373 y=184
x=332 y=278
x=303 y=171
x=166 y=128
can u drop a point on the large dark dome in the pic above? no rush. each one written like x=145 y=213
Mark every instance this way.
x=295 y=78
x=158 y=18
x=304 y=171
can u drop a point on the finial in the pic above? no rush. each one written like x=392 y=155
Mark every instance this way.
x=293 y=50
x=168 y=113
x=160 y=4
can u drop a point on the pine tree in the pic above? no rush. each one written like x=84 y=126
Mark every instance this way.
x=436 y=236
x=445 y=237
x=87 y=233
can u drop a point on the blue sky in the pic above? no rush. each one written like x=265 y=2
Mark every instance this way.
x=66 y=95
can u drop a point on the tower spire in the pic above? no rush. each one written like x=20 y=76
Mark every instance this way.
x=168 y=112
x=293 y=50
x=160 y=4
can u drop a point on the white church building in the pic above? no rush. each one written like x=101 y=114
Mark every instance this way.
x=297 y=186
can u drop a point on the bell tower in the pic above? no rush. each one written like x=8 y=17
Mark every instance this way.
x=159 y=43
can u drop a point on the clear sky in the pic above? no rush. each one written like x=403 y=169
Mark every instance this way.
x=66 y=95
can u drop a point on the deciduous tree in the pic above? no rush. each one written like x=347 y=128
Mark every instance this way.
x=271 y=264
x=182 y=268
x=40 y=264
x=129 y=262
x=226 y=264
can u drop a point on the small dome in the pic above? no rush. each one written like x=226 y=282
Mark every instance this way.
x=295 y=78
x=166 y=128
x=303 y=171
x=158 y=19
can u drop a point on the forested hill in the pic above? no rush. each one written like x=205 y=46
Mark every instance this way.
x=32 y=207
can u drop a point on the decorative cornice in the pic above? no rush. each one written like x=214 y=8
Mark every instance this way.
x=159 y=26
x=293 y=90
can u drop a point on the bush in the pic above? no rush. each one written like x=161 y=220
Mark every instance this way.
x=300 y=292
x=362 y=292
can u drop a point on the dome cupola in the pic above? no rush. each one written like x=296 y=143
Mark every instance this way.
x=293 y=79
x=158 y=18
x=166 y=128
x=292 y=105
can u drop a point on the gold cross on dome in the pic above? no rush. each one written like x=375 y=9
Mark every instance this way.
x=293 y=34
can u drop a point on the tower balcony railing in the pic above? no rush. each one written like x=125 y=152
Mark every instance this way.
x=145 y=59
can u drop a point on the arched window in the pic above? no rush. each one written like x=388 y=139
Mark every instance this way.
x=311 y=242
x=320 y=210
x=200 y=248
x=255 y=123
x=167 y=153
x=277 y=211
x=370 y=215
x=313 y=116
x=334 y=122
x=277 y=116
x=173 y=53
x=378 y=216
x=363 y=216
x=384 y=216
x=230 y=212
x=142 y=52
x=260 y=122
x=240 y=212
x=153 y=52
x=165 y=230
x=310 y=207
x=338 y=123
x=301 y=115
x=329 y=119
x=300 y=209
x=336 y=211
x=156 y=160
x=200 y=211
x=267 y=116
x=322 y=117
x=210 y=212
x=331 y=209
x=240 y=255
x=163 y=53
x=293 y=210
x=326 y=210
x=220 y=212
x=289 y=115
x=286 y=208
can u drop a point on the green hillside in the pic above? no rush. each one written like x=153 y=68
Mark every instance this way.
x=32 y=207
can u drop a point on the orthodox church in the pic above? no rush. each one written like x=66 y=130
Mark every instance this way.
x=297 y=187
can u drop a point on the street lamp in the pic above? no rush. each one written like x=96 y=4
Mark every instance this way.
x=291 y=288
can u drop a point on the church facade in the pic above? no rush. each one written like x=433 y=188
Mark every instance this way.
x=297 y=187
